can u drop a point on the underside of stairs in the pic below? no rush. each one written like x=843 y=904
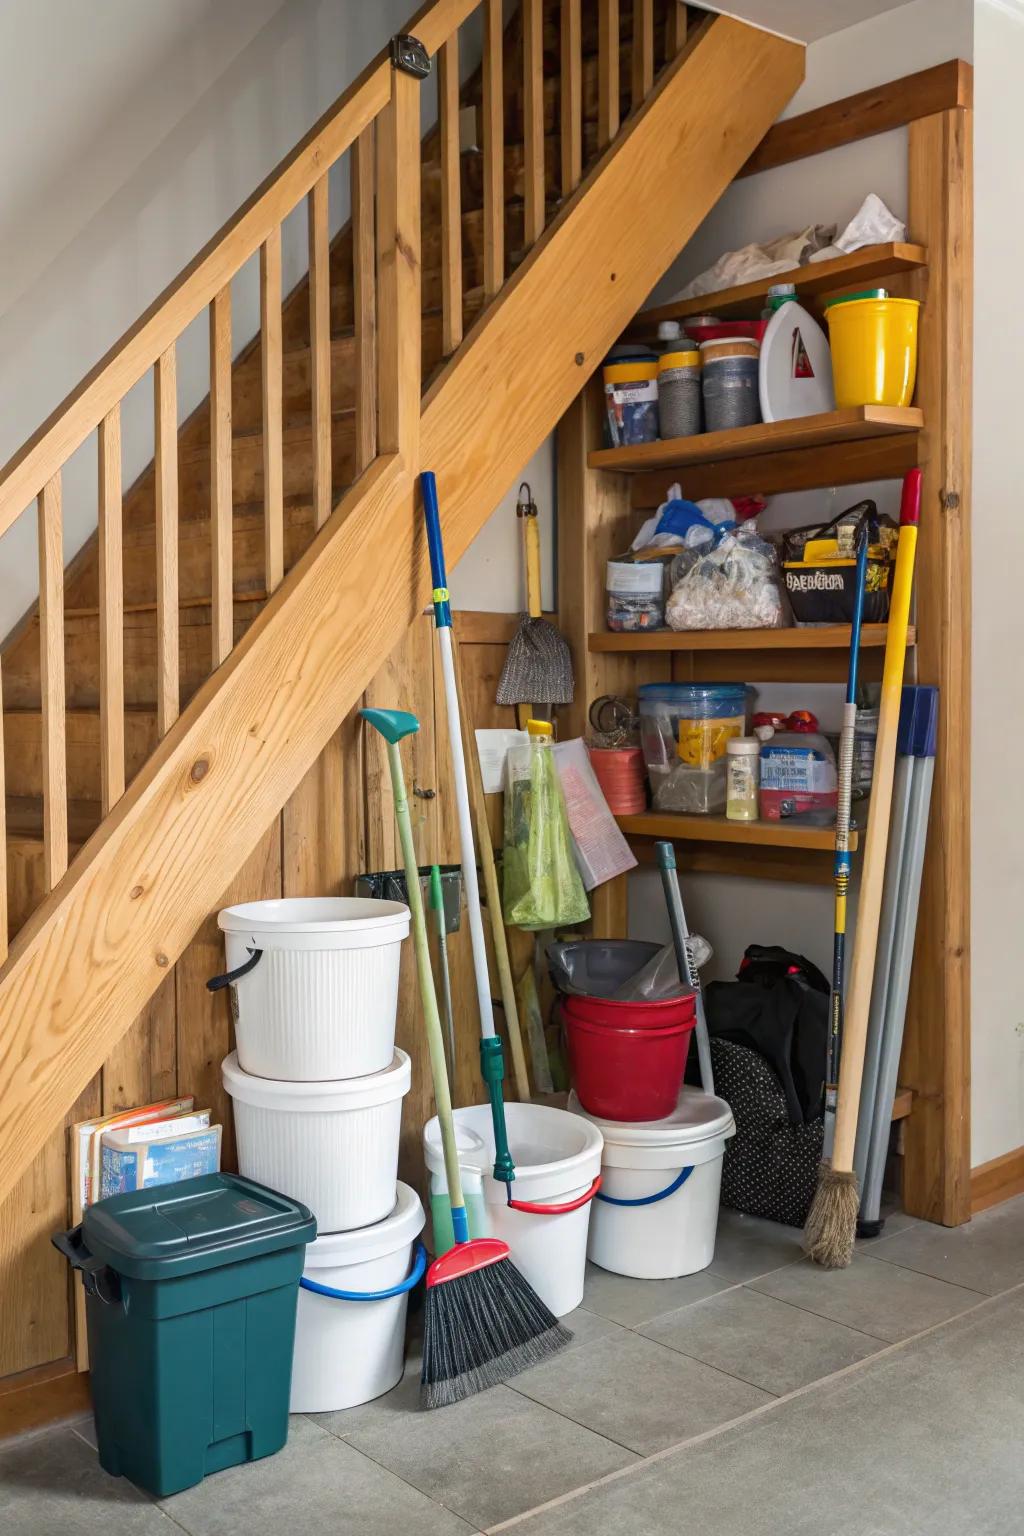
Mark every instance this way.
x=92 y=950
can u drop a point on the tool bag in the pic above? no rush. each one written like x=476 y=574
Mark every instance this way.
x=819 y=567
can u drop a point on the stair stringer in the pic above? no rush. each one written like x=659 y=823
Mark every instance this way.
x=95 y=952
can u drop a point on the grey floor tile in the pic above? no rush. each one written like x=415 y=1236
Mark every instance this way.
x=986 y=1255
x=316 y=1484
x=634 y=1302
x=52 y=1485
x=761 y=1340
x=488 y=1458
x=923 y=1442
x=879 y=1299
x=895 y=1221
x=747 y=1246
x=638 y=1393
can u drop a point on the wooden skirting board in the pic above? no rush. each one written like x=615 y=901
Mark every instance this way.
x=37 y=1397
x=998 y=1180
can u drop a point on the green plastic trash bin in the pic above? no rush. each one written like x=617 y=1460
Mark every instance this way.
x=191 y=1291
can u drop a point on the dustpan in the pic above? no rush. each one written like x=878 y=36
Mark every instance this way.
x=538 y=666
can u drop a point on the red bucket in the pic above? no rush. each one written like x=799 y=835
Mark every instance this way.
x=613 y=1014
x=628 y=1073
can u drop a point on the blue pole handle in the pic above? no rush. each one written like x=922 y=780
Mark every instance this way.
x=663 y=1194
x=419 y=1269
x=438 y=576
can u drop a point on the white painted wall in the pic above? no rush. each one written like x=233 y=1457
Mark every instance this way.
x=997 y=731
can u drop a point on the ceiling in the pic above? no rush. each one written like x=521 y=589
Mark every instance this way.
x=807 y=19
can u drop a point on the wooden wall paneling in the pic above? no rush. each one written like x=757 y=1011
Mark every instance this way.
x=322 y=843
x=936 y=1051
x=37 y=1397
x=205 y=1034
x=34 y=1289
x=144 y=1065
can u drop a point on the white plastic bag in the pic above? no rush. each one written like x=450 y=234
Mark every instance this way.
x=734 y=586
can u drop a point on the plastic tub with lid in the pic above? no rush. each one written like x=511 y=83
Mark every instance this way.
x=558 y=1168
x=353 y=1298
x=314 y=983
x=656 y=1213
x=684 y=728
x=333 y=1145
x=631 y=401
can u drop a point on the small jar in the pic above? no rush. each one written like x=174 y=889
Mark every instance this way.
x=741 y=773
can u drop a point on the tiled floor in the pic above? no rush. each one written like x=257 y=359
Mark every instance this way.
x=761 y=1397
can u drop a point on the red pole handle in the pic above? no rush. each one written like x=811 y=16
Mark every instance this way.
x=533 y=1209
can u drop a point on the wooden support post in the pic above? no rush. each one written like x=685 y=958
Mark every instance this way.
x=675 y=28
x=451 y=196
x=221 y=509
x=273 y=465
x=111 y=612
x=643 y=50
x=51 y=672
x=320 y=347
x=165 y=410
x=398 y=258
x=936 y=1051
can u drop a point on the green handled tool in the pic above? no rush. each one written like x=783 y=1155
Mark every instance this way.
x=437 y=907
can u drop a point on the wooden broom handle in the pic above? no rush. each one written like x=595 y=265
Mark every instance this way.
x=531 y=541
x=490 y=874
x=869 y=903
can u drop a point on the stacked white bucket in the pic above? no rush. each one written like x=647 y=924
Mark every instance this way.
x=317 y=1086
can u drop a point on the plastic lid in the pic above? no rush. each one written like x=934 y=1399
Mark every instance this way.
x=181 y=1229
x=777 y=290
x=330 y=1097
x=863 y=293
x=396 y=1231
x=634 y=372
x=540 y=727
x=687 y=693
x=732 y=341
x=698 y=1116
x=743 y=746
x=668 y=330
x=314 y=914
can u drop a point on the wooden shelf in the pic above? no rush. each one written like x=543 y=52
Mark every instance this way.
x=810 y=638
x=717 y=829
x=830 y=429
x=745 y=302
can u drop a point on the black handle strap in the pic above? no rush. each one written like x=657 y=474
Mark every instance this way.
x=218 y=983
x=99 y=1280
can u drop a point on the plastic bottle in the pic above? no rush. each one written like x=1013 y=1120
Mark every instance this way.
x=670 y=336
x=742 y=778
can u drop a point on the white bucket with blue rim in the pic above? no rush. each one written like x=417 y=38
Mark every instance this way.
x=656 y=1214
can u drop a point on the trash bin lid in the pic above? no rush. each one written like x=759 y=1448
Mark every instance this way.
x=198 y=1224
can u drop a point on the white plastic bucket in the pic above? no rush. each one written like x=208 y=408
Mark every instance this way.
x=334 y=1146
x=319 y=1002
x=557 y=1157
x=674 y=1233
x=346 y=1351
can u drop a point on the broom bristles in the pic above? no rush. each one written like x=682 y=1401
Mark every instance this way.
x=832 y=1220
x=482 y=1328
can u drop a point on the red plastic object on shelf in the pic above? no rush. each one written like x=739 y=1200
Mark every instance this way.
x=628 y=1068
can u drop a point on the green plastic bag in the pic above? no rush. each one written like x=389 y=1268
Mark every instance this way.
x=541 y=884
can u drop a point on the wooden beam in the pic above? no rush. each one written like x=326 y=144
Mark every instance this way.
x=111 y=595
x=165 y=470
x=937 y=1046
x=255 y=727
x=272 y=365
x=891 y=105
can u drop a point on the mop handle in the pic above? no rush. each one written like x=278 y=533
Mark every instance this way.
x=492 y=1064
x=684 y=957
x=435 y=1040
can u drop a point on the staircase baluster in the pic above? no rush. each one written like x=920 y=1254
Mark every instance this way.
x=398 y=270
x=533 y=120
x=643 y=50
x=364 y=296
x=675 y=29
x=111 y=612
x=221 y=508
x=320 y=348
x=51 y=676
x=608 y=72
x=3 y=832
x=451 y=195
x=273 y=472
x=572 y=97
x=165 y=407
x=494 y=150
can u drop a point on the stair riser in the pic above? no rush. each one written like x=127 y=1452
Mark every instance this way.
x=82 y=658
x=247 y=468
x=23 y=743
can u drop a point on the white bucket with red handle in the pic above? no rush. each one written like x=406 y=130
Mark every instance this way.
x=558 y=1169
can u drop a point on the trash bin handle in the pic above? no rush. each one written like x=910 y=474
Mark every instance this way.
x=663 y=1194
x=419 y=1269
x=216 y=983
x=99 y=1280
x=533 y=1209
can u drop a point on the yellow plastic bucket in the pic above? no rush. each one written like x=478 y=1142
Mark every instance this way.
x=874 y=350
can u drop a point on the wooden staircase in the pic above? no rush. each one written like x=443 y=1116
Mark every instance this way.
x=180 y=678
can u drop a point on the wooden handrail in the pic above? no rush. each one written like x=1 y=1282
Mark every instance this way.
x=105 y=386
